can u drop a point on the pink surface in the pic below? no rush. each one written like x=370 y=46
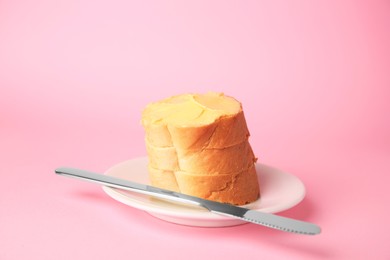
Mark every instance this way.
x=74 y=76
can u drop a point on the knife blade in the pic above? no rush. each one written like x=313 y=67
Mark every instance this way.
x=253 y=216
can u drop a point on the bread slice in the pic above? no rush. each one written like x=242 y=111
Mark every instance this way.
x=163 y=179
x=224 y=131
x=217 y=161
x=209 y=161
x=192 y=125
x=228 y=130
x=163 y=158
x=238 y=188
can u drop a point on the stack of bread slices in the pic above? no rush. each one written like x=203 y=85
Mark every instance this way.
x=198 y=145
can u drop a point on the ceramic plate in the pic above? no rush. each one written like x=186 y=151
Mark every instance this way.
x=278 y=191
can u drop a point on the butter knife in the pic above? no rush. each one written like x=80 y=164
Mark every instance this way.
x=253 y=216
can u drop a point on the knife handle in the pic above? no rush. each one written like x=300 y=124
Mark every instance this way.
x=128 y=185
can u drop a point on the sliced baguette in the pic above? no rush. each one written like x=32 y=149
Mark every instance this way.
x=198 y=144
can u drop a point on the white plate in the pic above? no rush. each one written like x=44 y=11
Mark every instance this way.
x=278 y=191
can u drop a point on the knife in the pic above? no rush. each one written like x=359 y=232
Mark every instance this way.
x=253 y=216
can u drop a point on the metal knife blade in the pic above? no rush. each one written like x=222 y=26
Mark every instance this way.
x=257 y=217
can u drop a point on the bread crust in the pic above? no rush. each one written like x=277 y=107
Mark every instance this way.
x=163 y=158
x=224 y=132
x=239 y=188
x=163 y=179
x=207 y=161
x=231 y=159
x=158 y=135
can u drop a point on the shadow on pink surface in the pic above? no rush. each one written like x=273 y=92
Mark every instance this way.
x=303 y=211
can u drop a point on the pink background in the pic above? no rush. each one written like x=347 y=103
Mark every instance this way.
x=313 y=78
